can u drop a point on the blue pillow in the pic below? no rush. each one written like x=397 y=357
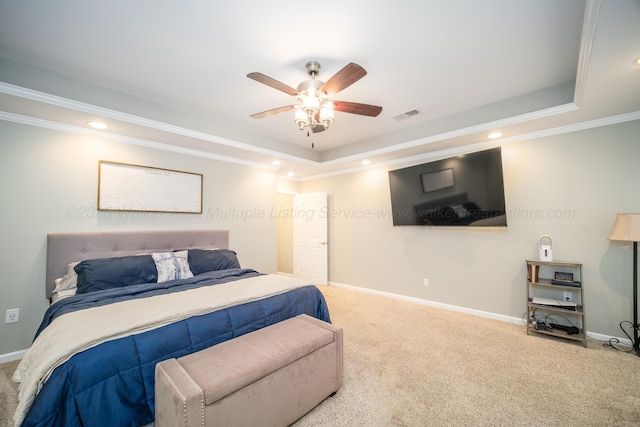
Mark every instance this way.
x=203 y=260
x=106 y=273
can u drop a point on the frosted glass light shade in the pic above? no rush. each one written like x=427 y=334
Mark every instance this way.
x=301 y=118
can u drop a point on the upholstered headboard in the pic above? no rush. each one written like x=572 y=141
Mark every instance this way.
x=64 y=248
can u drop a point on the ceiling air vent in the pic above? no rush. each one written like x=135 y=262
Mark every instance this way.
x=405 y=115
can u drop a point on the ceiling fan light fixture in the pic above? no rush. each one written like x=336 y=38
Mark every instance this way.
x=301 y=118
x=314 y=108
x=326 y=115
x=310 y=105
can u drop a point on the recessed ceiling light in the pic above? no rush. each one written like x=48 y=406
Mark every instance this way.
x=290 y=173
x=275 y=162
x=494 y=135
x=97 y=125
x=637 y=61
x=366 y=162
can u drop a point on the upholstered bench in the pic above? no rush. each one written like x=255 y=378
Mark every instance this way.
x=269 y=377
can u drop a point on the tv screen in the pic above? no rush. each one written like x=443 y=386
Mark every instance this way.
x=466 y=190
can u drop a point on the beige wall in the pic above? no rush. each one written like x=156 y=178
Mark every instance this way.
x=48 y=183
x=569 y=186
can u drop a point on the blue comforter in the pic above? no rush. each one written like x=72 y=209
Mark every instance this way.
x=112 y=384
x=109 y=296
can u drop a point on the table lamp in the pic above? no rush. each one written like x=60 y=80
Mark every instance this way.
x=627 y=229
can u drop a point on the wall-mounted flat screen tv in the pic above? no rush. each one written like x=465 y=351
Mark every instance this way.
x=466 y=190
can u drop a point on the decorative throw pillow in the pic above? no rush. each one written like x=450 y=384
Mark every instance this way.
x=172 y=265
x=203 y=260
x=106 y=273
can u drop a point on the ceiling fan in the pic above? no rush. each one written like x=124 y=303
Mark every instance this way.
x=315 y=108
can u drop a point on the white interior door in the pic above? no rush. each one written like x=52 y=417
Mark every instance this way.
x=310 y=246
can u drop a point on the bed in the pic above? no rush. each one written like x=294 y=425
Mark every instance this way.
x=124 y=301
x=457 y=210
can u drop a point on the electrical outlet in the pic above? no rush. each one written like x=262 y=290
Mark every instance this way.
x=12 y=316
x=567 y=296
x=426 y=283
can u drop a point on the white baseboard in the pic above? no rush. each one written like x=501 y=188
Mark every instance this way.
x=486 y=314
x=10 y=357
x=606 y=338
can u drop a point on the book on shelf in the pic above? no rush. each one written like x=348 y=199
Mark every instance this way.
x=532 y=272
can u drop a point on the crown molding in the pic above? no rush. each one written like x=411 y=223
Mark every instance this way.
x=59 y=101
x=129 y=118
x=589 y=25
x=436 y=155
x=31 y=121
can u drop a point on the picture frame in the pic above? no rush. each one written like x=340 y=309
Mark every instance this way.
x=137 y=188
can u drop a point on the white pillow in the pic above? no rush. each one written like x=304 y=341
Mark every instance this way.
x=172 y=265
x=66 y=286
x=57 y=296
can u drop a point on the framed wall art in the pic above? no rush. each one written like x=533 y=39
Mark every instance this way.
x=128 y=187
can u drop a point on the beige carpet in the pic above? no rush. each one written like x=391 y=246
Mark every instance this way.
x=8 y=393
x=411 y=365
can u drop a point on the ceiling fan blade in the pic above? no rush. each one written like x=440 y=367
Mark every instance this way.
x=344 y=78
x=357 y=108
x=259 y=77
x=272 y=112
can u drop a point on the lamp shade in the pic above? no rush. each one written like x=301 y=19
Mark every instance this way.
x=626 y=227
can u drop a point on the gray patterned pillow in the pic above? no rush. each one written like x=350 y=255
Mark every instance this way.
x=172 y=265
